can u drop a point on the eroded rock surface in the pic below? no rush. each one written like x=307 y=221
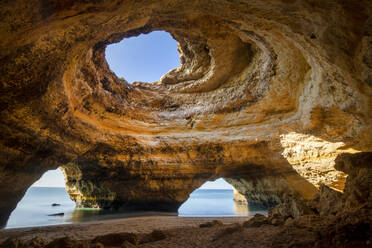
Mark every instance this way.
x=269 y=93
x=338 y=220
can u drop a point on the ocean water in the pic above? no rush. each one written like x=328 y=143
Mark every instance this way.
x=216 y=203
x=36 y=205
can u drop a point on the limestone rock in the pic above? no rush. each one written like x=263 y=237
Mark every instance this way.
x=277 y=219
x=127 y=244
x=116 y=239
x=327 y=201
x=256 y=221
x=211 y=224
x=67 y=242
x=12 y=243
x=290 y=208
x=155 y=235
x=289 y=221
x=359 y=182
x=99 y=245
x=268 y=94
x=239 y=198
x=36 y=242
x=348 y=230
x=236 y=227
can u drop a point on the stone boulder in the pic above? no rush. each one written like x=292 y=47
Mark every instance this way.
x=67 y=242
x=358 y=185
x=155 y=235
x=117 y=239
x=12 y=243
x=211 y=224
x=36 y=242
x=327 y=201
x=291 y=207
x=256 y=221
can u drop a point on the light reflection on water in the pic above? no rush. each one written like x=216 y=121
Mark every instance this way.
x=240 y=209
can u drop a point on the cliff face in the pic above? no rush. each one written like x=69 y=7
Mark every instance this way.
x=269 y=93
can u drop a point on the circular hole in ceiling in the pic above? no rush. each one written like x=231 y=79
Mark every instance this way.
x=145 y=58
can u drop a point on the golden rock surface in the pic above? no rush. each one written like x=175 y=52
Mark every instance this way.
x=269 y=93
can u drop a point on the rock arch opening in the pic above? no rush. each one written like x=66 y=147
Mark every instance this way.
x=45 y=202
x=270 y=85
x=144 y=58
x=217 y=198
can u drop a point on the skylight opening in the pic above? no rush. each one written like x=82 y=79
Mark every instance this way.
x=145 y=58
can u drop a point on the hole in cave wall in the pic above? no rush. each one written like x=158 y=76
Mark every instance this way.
x=36 y=207
x=145 y=58
x=215 y=198
x=36 y=204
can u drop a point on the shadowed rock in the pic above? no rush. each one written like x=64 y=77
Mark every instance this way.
x=236 y=227
x=155 y=235
x=116 y=239
x=36 y=242
x=12 y=243
x=256 y=221
x=67 y=242
x=57 y=214
x=268 y=94
x=127 y=244
x=211 y=224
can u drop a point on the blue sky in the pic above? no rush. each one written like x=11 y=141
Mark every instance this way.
x=143 y=58
x=217 y=184
x=51 y=178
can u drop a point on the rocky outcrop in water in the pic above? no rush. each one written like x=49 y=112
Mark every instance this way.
x=269 y=93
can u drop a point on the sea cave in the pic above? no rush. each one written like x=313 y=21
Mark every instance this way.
x=273 y=96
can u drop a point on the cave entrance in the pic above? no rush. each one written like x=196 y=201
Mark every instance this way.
x=213 y=199
x=36 y=205
x=145 y=58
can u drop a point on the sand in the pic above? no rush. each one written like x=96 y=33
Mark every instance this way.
x=88 y=230
x=180 y=231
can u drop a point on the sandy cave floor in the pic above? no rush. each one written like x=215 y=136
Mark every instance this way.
x=181 y=232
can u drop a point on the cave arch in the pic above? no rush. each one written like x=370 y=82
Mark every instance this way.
x=37 y=203
x=214 y=198
x=260 y=84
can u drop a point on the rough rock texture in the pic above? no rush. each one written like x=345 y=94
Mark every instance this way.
x=269 y=93
x=359 y=182
x=256 y=221
x=327 y=201
x=330 y=202
x=239 y=198
x=116 y=239
x=338 y=220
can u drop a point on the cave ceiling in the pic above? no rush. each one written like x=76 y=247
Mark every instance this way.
x=268 y=93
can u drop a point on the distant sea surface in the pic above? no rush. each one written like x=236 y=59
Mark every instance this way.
x=216 y=203
x=36 y=205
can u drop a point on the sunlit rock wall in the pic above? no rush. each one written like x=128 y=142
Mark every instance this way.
x=276 y=88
